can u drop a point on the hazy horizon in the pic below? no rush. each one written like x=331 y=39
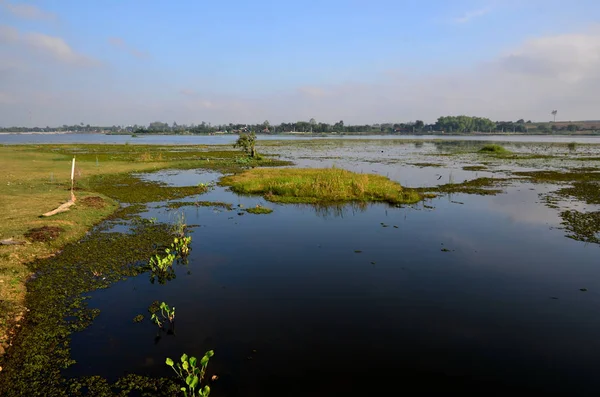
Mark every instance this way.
x=127 y=62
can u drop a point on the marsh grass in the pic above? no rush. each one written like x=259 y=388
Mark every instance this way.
x=35 y=179
x=319 y=185
x=493 y=148
x=259 y=209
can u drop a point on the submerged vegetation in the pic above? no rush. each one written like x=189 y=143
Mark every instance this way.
x=35 y=179
x=319 y=185
x=582 y=226
x=479 y=186
x=474 y=168
x=584 y=183
x=588 y=192
x=56 y=301
x=57 y=307
x=216 y=204
x=576 y=175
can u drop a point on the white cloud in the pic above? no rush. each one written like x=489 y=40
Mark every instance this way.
x=119 y=43
x=314 y=92
x=57 y=48
x=553 y=72
x=8 y=34
x=6 y=98
x=39 y=43
x=188 y=92
x=28 y=11
x=569 y=57
x=467 y=17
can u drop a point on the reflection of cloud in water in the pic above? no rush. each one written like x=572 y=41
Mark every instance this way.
x=406 y=175
x=181 y=177
x=520 y=204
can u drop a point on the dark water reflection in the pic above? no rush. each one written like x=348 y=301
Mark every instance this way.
x=292 y=310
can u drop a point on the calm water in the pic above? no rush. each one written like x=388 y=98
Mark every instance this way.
x=292 y=310
x=225 y=139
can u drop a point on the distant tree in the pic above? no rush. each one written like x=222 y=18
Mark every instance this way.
x=543 y=128
x=554 y=114
x=158 y=126
x=339 y=126
x=247 y=142
x=520 y=121
x=419 y=124
x=572 y=127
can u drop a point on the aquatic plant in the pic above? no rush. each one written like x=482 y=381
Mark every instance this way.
x=480 y=186
x=181 y=246
x=158 y=263
x=179 y=224
x=474 y=168
x=572 y=146
x=166 y=312
x=582 y=226
x=139 y=318
x=161 y=267
x=191 y=374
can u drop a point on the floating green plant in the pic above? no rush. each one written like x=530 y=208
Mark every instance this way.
x=158 y=263
x=192 y=374
x=166 y=313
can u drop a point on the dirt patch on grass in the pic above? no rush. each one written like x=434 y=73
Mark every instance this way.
x=44 y=233
x=94 y=202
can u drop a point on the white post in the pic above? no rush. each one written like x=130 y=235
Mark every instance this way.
x=72 y=173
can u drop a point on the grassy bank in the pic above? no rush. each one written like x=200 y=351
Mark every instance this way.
x=311 y=186
x=36 y=179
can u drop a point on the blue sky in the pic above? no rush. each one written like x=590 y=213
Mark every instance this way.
x=126 y=62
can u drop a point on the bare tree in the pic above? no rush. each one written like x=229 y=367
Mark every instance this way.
x=554 y=114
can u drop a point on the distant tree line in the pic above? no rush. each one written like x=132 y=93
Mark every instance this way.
x=446 y=124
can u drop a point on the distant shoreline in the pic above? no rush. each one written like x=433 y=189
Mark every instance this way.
x=578 y=133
